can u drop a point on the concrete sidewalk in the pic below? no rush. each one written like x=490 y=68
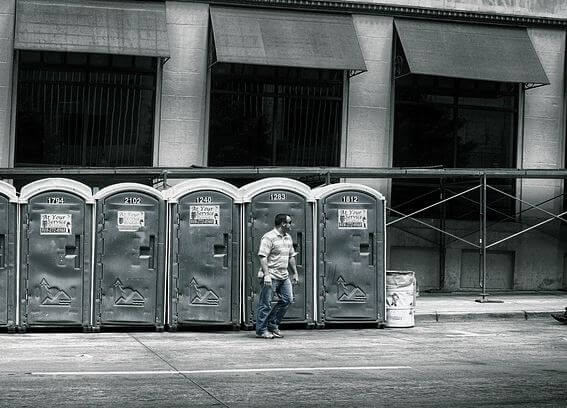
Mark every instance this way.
x=456 y=306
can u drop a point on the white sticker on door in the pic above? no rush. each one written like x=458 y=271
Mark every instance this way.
x=353 y=218
x=131 y=220
x=204 y=215
x=56 y=224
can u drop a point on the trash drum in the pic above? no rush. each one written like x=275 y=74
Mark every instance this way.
x=400 y=298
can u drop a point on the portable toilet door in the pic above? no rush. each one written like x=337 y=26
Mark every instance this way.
x=350 y=254
x=55 y=261
x=8 y=226
x=130 y=250
x=263 y=200
x=204 y=270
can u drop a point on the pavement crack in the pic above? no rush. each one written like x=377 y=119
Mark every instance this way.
x=178 y=372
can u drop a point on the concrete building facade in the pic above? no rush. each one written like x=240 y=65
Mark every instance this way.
x=185 y=84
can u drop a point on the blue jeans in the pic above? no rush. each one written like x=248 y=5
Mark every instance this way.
x=268 y=317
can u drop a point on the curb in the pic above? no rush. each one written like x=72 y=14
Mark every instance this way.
x=466 y=316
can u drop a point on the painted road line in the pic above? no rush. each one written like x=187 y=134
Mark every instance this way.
x=225 y=371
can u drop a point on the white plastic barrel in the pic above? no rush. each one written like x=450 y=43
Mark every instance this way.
x=400 y=298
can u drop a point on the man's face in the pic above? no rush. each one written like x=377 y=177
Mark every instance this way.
x=286 y=226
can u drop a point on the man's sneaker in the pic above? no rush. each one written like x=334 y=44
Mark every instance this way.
x=265 y=335
x=277 y=333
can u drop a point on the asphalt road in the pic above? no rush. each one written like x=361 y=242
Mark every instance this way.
x=502 y=362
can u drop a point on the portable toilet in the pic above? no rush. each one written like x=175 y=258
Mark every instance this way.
x=204 y=248
x=263 y=200
x=130 y=256
x=8 y=228
x=56 y=216
x=351 y=248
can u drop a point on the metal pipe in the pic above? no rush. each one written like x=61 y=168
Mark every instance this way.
x=433 y=205
x=530 y=204
x=247 y=172
x=434 y=228
x=525 y=230
x=482 y=263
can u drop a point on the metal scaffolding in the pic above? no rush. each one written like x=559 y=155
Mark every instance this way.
x=159 y=176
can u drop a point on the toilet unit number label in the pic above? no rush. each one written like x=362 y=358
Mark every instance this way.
x=204 y=199
x=133 y=200
x=278 y=196
x=349 y=199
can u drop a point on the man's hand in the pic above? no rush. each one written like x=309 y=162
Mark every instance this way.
x=267 y=280
x=295 y=278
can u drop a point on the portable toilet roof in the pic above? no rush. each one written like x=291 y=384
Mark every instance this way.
x=121 y=187
x=329 y=189
x=59 y=184
x=252 y=189
x=9 y=191
x=175 y=192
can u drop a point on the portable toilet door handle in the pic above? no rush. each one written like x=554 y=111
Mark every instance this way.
x=371 y=245
x=2 y=250
x=222 y=250
x=299 y=249
x=74 y=251
x=367 y=248
x=149 y=252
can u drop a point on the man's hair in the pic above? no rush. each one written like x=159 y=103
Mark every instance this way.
x=280 y=219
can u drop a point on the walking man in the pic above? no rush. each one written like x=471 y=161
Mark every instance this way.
x=276 y=255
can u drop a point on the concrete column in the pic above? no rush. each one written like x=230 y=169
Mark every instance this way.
x=543 y=145
x=368 y=136
x=7 y=18
x=183 y=100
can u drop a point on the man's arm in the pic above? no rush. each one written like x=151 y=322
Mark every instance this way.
x=295 y=275
x=264 y=265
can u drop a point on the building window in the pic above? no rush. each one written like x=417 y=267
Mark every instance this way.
x=81 y=109
x=274 y=116
x=454 y=123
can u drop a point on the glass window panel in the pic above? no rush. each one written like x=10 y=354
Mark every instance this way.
x=122 y=61
x=29 y=57
x=74 y=58
x=99 y=60
x=145 y=63
x=463 y=123
x=53 y=58
x=281 y=116
x=423 y=135
x=484 y=138
x=83 y=115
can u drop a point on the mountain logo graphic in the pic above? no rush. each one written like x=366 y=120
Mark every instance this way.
x=201 y=295
x=349 y=293
x=53 y=296
x=127 y=296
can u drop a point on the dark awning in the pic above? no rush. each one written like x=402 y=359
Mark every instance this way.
x=470 y=51
x=107 y=27
x=286 y=38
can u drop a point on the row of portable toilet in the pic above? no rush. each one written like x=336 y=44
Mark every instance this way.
x=131 y=255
